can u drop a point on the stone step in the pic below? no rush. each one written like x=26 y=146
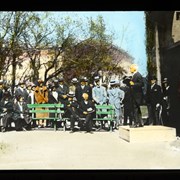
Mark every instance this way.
x=156 y=133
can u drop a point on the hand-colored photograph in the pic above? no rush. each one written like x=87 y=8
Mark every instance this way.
x=89 y=90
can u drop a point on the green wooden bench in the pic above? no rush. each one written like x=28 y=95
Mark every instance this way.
x=55 y=109
x=108 y=112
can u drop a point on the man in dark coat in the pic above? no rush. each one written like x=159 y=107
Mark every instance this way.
x=71 y=110
x=154 y=99
x=166 y=104
x=22 y=91
x=128 y=101
x=136 y=85
x=83 y=88
x=62 y=90
x=87 y=111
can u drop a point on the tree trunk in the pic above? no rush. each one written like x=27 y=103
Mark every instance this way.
x=13 y=73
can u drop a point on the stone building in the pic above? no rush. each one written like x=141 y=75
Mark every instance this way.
x=24 y=71
x=167 y=56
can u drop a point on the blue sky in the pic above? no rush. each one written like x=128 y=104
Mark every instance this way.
x=129 y=29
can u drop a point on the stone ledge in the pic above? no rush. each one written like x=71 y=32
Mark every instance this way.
x=156 y=133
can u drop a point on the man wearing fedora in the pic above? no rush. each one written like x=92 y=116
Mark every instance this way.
x=62 y=90
x=21 y=91
x=154 y=99
x=83 y=88
x=166 y=100
x=73 y=85
x=115 y=97
x=71 y=110
x=99 y=93
x=128 y=101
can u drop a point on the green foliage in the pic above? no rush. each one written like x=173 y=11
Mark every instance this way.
x=75 y=47
x=150 y=45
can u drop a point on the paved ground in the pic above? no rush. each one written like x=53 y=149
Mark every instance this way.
x=46 y=149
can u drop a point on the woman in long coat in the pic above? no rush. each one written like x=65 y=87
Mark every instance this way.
x=41 y=97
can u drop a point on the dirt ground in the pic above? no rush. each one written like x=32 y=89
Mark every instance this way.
x=46 y=149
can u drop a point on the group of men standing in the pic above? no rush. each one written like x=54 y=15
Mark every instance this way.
x=80 y=98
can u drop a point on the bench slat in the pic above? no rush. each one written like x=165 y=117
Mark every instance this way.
x=46 y=111
x=45 y=105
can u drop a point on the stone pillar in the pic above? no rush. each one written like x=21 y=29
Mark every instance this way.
x=158 y=64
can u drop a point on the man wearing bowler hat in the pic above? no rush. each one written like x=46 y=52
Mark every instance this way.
x=154 y=99
x=21 y=91
x=83 y=88
x=73 y=85
x=62 y=90
x=166 y=101
x=71 y=110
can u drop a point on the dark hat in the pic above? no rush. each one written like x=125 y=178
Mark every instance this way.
x=19 y=97
x=61 y=79
x=96 y=78
x=71 y=94
x=165 y=80
x=153 y=78
x=7 y=95
x=82 y=79
x=90 y=110
x=33 y=85
x=52 y=87
x=21 y=82
x=126 y=79
x=86 y=79
x=112 y=82
x=74 y=80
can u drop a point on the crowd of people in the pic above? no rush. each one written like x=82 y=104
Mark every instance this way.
x=80 y=98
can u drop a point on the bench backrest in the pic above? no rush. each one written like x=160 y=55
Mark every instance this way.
x=30 y=106
x=105 y=110
x=44 y=108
